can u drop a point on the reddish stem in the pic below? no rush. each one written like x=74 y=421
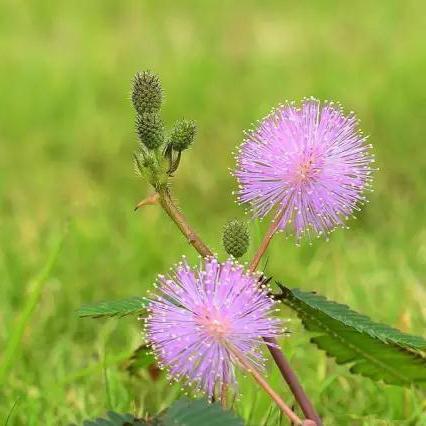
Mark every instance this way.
x=181 y=222
x=289 y=376
x=265 y=242
x=267 y=388
x=278 y=356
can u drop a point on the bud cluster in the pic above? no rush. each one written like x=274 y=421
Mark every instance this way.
x=158 y=156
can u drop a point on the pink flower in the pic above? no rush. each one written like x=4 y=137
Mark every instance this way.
x=200 y=313
x=309 y=165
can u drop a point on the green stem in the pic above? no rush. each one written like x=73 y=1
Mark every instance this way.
x=179 y=219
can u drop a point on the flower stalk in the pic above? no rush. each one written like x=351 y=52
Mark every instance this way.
x=289 y=376
x=265 y=242
x=278 y=356
x=179 y=219
x=266 y=387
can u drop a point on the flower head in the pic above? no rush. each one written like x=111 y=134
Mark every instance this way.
x=202 y=316
x=309 y=164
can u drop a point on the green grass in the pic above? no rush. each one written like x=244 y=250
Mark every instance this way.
x=66 y=141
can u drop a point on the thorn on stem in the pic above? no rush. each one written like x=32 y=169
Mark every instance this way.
x=150 y=201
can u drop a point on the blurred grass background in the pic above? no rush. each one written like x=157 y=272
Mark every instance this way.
x=66 y=140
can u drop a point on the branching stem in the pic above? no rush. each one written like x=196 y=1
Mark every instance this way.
x=278 y=356
x=289 y=376
x=267 y=388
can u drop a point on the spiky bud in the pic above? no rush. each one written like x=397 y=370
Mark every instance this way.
x=147 y=92
x=236 y=238
x=150 y=129
x=183 y=135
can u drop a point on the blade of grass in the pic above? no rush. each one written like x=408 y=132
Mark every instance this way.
x=107 y=384
x=10 y=354
x=9 y=416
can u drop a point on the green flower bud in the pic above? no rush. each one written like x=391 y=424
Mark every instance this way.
x=147 y=92
x=183 y=135
x=236 y=238
x=150 y=130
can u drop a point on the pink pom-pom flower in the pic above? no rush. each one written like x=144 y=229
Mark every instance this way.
x=201 y=317
x=310 y=165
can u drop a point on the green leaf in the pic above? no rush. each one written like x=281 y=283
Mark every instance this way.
x=143 y=359
x=184 y=412
x=115 y=419
x=375 y=350
x=197 y=412
x=121 y=308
